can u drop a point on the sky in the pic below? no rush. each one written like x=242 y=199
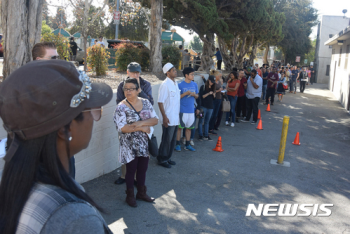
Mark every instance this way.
x=324 y=7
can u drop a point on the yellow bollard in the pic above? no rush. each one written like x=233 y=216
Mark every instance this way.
x=283 y=139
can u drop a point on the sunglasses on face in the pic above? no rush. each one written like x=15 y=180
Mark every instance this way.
x=95 y=112
x=53 y=57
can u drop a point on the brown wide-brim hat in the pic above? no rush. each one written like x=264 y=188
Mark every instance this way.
x=43 y=96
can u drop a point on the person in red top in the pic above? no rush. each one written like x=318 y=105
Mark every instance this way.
x=241 y=105
x=258 y=70
x=272 y=80
x=232 y=89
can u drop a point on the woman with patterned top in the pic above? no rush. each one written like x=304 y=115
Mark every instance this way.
x=134 y=118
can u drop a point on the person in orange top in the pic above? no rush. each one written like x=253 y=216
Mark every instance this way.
x=258 y=70
x=232 y=90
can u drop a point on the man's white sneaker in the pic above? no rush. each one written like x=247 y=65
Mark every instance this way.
x=191 y=143
x=232 y=124
x=226 y=123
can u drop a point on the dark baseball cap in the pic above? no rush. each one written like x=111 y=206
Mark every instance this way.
x=212 y=79
x=134 y=67
x=43 y=96
x=188 y=70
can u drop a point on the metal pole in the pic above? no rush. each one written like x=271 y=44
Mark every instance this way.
x=117 y=25
x=283 y=140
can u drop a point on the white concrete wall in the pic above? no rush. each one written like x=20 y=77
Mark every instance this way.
x=101 y=156
x=329 y=25
x=339 y=76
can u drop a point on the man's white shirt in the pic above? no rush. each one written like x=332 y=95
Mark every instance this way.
x=169 y=95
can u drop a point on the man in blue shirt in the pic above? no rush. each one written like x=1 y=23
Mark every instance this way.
x=293 y=81
x=188 y=92
x=218 y=58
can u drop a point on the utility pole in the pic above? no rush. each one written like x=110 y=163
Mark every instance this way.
x=117 y=21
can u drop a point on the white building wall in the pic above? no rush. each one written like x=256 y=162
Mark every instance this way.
x=101 y=157
x=328 y=25
x=339 y=75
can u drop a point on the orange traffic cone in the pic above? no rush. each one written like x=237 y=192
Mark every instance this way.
x=296 y=140
x=268 y=107
x=218 y=147
x=260 y=125
x=259 y=115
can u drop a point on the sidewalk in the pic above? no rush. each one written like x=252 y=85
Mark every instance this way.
x=208 y=192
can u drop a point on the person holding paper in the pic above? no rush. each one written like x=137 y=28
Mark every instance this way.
x=134 y=117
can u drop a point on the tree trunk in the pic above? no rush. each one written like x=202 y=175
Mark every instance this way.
x=156 y=37
x=208 y=52
x=84 y=31
x=225 y=57
x=21 y=25
x=234 y=46
x=253 y=54
x=266 y=53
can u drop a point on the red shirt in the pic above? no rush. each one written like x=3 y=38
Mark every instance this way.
x=233 y=85
x=274 y=77
x=241 y=87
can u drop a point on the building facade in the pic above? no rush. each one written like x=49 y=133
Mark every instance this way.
x=340 y=66
x=327 y=28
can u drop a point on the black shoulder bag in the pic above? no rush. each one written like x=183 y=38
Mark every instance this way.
x=152 y=143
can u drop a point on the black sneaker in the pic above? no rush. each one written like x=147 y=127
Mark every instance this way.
x=166 y=165
x=171 y=162
x=244 y=120
x=253 y=122
x=207 y=138
x=217 y=129
x=212 y=132
x=200 y=138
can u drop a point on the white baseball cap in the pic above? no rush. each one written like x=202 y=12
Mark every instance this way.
x=167 y=67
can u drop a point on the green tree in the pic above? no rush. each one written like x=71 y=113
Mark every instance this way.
x=253 y=24
x=94 y=28
x=60 y=19
x=196 y=44
x=203 y=17
x=45 y=29
x=300 y=18
x=133 y=23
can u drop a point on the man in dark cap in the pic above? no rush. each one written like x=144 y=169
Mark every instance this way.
x=134 y=70
x=74 y=48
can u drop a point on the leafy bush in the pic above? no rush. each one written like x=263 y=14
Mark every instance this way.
x=127 y=53
x=62 y=44
x=97 y=59
x=171 y=54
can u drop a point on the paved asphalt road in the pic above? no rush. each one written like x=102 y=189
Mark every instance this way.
x=208 y=192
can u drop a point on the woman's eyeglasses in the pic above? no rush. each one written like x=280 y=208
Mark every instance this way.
x=95 y=112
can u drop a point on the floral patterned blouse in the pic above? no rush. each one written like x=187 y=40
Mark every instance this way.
x=132 y=144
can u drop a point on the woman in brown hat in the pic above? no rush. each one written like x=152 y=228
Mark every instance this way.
x=48 y=109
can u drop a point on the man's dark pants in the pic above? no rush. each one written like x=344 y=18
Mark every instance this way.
x=252 y=106
x=270 y=93
x=241 y=106
x=167 y=145
x=292 y=85
x=302 y=86
x=219 y=64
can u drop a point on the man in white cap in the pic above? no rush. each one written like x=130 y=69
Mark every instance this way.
x=169 y=107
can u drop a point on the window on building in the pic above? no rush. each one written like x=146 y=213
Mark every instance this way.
x=347 y=57
x=333 y=51
x=340 y=52
x=327 y=70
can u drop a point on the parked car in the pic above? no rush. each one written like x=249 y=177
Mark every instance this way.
x=80 y=55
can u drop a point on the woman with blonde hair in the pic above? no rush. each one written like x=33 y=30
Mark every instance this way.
x=217 y=101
